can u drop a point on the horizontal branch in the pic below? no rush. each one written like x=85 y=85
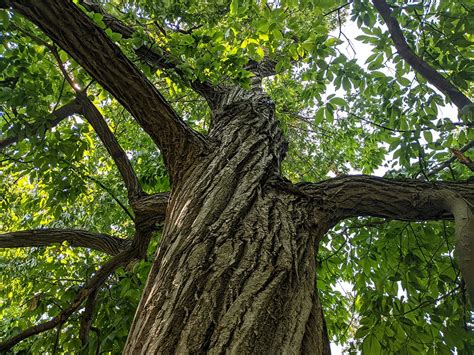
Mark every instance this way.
x=75 y=237
x=93 y=284
x=83 y=40
x=419 y=65
x=407 y=200
x=57 y=116
x=97 y=121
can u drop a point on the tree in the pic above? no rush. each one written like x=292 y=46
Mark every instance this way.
x=253 y=234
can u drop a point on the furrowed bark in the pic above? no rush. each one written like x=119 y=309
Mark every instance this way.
x=407 y=200
x=84 y=41
x=74 y=237
x=150 y=210
x=57 y=116
x=235 y=271
x=419 y=65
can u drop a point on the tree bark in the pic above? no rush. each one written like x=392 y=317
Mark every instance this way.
x=236 y=269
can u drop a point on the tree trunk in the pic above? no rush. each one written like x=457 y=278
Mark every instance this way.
x=236 y=269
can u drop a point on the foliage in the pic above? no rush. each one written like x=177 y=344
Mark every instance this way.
x=340 y=115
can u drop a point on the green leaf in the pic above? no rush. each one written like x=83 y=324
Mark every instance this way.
x=371 y=346
x=234 y=7
x=338 y=101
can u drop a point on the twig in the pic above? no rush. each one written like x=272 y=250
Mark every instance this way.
x=337 y=8
x=427 y=303
x=449 y=161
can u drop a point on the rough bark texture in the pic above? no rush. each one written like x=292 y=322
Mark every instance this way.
x=236 y=268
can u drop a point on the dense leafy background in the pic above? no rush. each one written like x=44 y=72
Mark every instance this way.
x=398 y=282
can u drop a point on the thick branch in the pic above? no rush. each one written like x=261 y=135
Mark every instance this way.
x=75 y=237
x=75 y=33
x=150 y=210
x=263 y=69
x=96 y=120
x=94 y=282
x=157 y=59
x=463 y=212
x=408 y=200
x=423 y=68
x=57 y=116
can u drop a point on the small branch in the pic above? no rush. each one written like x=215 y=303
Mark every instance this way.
x=98 y=279
x=96 y=120
x=463 y=159
x=57 y=116
x=337 y=9
x=54 y=52
x=439 y=126
x=448 y=162
x=56 y=340
x=75 y=237
x=420 y=66
x=427 y=303
x=102 y=186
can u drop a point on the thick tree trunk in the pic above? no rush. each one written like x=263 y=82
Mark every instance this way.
x=236 y=268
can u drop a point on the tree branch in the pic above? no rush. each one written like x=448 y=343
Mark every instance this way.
x=151 y=209
x=403 y=199
x=451 y=160
x=408 y=200
x=95 y=281
x=75 y=33
x=463 y=211
x=96 y=120
x=87 y=317
x=75 y=237
x=56 y=117
x=419 y=65
x=155 y=59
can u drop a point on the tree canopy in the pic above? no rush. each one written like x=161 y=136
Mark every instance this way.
x=76 y=151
